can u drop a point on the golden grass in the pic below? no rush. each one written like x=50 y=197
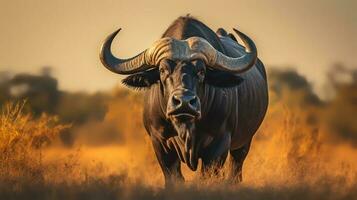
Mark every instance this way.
x=290 y=158
x=22 y=140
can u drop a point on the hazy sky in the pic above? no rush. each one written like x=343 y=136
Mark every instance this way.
x=67 y=34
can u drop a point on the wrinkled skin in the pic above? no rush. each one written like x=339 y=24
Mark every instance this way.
x=193 y=112
x=182 y=83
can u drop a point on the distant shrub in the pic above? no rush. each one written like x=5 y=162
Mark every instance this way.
x=22 y=138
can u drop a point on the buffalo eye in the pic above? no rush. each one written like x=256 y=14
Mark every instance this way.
x=200 y=69
x=201 y=74
x=165 y=69
x=162 y=70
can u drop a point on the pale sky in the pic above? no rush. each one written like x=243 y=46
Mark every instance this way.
x=67 y=34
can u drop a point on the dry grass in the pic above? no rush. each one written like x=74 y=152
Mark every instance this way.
x=291 y=158
x=22 y=140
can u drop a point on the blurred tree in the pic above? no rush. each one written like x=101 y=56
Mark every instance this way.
x=40 y=90
x=342 y=108
x=282 y=81
x=80 y=107
x=4 y=86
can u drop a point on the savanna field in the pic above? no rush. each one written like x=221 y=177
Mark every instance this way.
x=63 y=145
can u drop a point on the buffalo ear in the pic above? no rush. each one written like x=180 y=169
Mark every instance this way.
x=142 y=80
x=223 y=79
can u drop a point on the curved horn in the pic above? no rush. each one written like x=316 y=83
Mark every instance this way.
x=132 y=65
x=240 y=64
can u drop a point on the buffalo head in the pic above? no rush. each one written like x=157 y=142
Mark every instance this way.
x=182 y=68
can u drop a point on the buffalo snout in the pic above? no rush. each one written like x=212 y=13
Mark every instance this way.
x=183 y=104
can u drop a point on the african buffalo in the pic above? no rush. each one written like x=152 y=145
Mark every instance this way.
x=206 y=95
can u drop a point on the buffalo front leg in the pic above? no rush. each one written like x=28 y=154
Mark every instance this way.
x=237 y=158
x=169 y=161
x=215 y=155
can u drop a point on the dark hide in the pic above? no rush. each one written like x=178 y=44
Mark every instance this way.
x=218 y=79
x=193 y=112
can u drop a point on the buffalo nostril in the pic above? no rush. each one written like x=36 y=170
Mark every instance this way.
x=176 y=101
x=193 y=101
